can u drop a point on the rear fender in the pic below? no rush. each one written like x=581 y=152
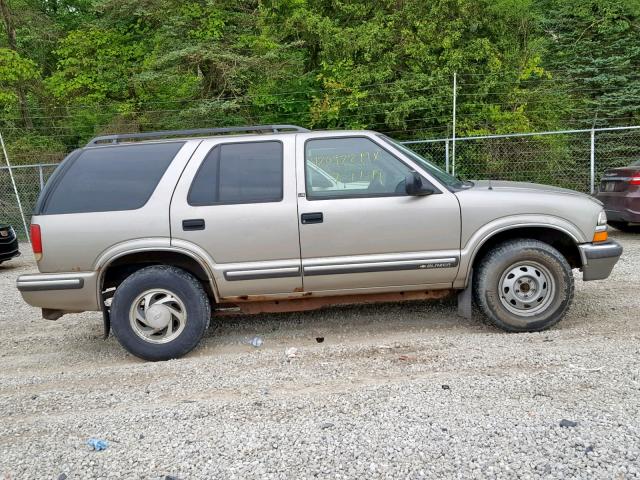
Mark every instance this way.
x=155 y=245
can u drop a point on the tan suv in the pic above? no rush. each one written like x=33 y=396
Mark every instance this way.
x=161 y=230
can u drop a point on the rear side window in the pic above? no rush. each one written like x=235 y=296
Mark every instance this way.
x=235 y=173
x=110 y=178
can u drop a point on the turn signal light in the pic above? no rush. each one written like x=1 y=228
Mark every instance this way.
x=600 y=236
x=36 y=240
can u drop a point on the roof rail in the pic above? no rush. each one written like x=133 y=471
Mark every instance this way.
x=198 y=131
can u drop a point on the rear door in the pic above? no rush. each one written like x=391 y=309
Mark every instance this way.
x=358 y=227
x=236 y=203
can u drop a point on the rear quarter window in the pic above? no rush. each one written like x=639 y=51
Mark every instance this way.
x=110 y=178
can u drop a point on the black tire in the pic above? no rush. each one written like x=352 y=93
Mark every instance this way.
x=185 y=288
x=536 y=260
x=625 y=227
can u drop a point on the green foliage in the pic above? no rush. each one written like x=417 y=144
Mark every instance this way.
x=86 y=67
x=14 y=71
x=96 y=65
x=596 y=45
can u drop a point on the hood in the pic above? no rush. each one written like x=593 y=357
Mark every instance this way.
x=526 y=187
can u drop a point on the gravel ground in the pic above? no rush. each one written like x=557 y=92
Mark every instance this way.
x=395 y=391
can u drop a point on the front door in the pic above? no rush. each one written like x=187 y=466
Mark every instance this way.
x=360 y=230
x=236 y=203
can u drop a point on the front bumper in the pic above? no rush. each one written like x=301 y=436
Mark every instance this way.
x=68 y=292
x=599 y=259
x=7 y=255
x=8 y=248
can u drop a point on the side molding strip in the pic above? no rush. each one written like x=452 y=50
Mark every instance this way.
x=42 y=285
x=417 y=264
x=259 y=274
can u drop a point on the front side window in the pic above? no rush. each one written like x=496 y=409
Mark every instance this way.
x=441 y=175
x=234 y=173
x=352 y=167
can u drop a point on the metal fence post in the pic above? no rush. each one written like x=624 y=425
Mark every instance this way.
x=40 y=174
x=453 y=134
x=446 y=154
x=592 y=175
x=15 y=188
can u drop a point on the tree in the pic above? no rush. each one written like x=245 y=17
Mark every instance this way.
x=22 y=72
x=595 y=46
x=15 y=73
x=389 y=66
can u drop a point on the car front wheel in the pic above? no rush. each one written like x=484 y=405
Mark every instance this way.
x=523 y=286
x=160 y=313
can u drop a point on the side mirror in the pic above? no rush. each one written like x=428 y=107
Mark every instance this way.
x=414 y=186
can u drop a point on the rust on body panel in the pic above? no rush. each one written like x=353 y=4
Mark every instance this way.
x=254 y=304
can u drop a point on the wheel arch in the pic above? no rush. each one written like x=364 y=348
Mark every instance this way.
x=114 y=270
x=561 y=239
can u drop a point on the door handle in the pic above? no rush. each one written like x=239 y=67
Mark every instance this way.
x=315 y=217
x=193 y=224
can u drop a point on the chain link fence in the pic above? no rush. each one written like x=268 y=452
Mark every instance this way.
x=572 y=159
x=30 y=179
x=561 y=160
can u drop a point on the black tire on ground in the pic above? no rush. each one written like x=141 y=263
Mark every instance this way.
x=625 y=227
x=184 y=288
x=532 y=261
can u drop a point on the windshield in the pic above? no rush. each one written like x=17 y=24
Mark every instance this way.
x=441 y=175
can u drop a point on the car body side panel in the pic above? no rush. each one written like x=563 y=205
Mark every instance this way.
x=371 y=242
x=622 y=206
x=487 y=212
x=72 y=242
x=254 y=247
x=481 y=205
x=84 y=296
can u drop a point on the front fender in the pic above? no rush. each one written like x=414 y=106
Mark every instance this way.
x=512 y=222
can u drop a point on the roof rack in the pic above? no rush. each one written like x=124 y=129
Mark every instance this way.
x=198 y=131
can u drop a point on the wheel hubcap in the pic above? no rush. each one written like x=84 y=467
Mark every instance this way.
x=158 y=316
x=526 y=288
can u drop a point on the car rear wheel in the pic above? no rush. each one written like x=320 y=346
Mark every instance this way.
x=160 y=312
x=523 y=286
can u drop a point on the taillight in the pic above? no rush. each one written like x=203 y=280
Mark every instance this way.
x=634 y=181
x=36 y=240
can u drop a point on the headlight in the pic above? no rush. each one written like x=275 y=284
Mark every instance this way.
x=601 y=234
x=602 y=218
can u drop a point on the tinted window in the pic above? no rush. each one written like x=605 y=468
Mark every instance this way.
x=239 y=173
x=110 y=178
x=352 y=167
